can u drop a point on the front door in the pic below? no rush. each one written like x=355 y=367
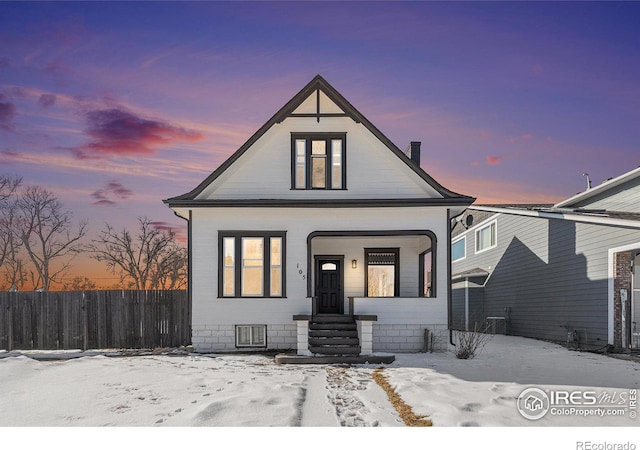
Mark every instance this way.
x=329 y=285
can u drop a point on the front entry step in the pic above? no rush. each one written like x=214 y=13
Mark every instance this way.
x=332 y=359
x=335 y=350
x=333 y=334
x=333 y=326
x=333 y=340
x=332 y=318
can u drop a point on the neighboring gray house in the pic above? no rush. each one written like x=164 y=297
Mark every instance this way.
x=568 y=272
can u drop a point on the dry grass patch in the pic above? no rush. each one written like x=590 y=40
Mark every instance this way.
x=406 y=413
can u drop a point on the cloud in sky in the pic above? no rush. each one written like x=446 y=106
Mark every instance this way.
x=515 y=139
x=109 y=193
x=493 y=160
x=7 y=111
x=170 y=228
x=47 y=100
x=117 y=131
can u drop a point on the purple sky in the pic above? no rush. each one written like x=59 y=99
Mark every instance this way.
x=115 y=106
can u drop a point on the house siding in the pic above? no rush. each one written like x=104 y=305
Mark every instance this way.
x=475 y=288
x=620 y=198
x=549 y=277
x=265 y=171
x=211 y=311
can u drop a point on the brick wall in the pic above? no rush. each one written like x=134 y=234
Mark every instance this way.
x=408 y=338
x=221 y=338
x=621 y=280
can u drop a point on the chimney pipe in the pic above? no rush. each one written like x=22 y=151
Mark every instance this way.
x=588 y=180
x=415 y=152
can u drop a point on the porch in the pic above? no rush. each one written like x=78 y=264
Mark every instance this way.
x=371 y=292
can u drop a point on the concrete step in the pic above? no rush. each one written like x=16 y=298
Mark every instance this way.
x=336 y=350
x=332 y=318
x=332 y=326
x=333 y=340
x=334 y=359
x=333 y=333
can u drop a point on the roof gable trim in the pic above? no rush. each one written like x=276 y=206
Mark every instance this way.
x=320 y=84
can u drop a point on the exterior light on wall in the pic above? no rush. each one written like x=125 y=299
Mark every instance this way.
x=354 y=263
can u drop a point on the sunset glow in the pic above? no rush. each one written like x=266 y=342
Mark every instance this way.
x=115 y=106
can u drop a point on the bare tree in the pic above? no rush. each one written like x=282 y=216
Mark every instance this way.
x=80 y=283
x=11 y=260
x=171 y=270
x=150 y=260
x=45 y=230
x=8 y=188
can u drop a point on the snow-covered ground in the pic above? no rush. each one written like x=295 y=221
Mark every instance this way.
x=253 y=391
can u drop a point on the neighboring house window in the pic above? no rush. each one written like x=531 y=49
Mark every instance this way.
x=382 y=272
x=251 y=264
x=251 y=336
x=486 y=237
x=318 y=161
x=459 y=249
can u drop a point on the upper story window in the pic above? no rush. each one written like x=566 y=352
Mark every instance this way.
x=486 y=237
x=318 y=161
x=459 y=249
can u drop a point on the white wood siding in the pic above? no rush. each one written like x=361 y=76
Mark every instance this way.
x=372 y=170
x=353 y=248
x=310 y=105
x=208 y=309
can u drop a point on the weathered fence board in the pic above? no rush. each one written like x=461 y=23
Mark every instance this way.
x=94 y=319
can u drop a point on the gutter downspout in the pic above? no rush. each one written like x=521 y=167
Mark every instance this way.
x=466 y=303
x=189 y=271
x=449 y=283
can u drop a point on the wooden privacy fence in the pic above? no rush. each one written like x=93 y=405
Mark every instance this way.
x=94 y=319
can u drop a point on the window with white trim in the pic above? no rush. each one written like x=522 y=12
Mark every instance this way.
x=251 y=264
x=459 y=249
x=486 y=237
x=251 y=335
x=318 y=161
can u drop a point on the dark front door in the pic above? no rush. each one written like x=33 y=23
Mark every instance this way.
x=329 y=286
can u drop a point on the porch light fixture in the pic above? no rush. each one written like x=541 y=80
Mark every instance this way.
x=354 y=263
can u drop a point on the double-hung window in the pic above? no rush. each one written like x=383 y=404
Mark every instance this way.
x=382 y=272
x=318 y=161
x=459 y=250
x=251 y=264
x=486 y=237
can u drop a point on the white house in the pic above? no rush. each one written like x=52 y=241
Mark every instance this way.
x=320 y=235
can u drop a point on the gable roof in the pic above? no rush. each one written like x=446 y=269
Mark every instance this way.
x=607 y=185
x=317 y=84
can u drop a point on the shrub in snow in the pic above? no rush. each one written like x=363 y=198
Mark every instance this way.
x=469 y=343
